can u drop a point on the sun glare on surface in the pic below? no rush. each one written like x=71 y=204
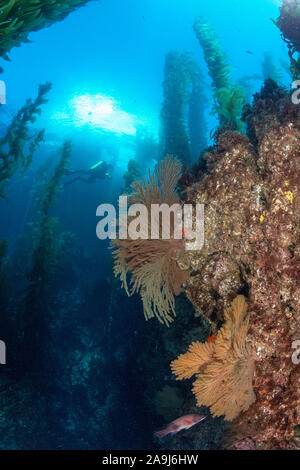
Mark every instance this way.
x=98 y=112
x=102 y=112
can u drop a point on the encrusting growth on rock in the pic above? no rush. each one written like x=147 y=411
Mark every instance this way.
x=252 y=209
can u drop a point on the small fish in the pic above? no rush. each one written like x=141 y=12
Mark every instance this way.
x=185 y=422
x=212 y=338
x=249 y=52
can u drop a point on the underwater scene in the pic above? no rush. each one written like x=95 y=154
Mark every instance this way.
x=149 y=225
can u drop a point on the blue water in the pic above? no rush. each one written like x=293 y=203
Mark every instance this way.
x=105 y=62
x=116 y=49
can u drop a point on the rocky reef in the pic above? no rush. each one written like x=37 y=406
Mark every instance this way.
x=252 y=207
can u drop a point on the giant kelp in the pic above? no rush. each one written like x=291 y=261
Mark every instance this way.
x=289 y=25
x=145 y=148
x=132 y=173
x=214 y=56
x=47 y=252
x=197 y=127
x=3 y=249
x=174 y=136
x=229 y=97
x=19 y=144
x=270 y=69
x=51 y=353
x=20 y=17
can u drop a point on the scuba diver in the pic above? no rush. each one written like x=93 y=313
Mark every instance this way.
x=100 y=170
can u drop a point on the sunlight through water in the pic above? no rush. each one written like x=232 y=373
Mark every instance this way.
x=98 y=112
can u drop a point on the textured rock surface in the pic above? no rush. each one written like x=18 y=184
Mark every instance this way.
x=252 y=208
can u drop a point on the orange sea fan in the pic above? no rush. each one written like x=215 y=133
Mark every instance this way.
x=159 y=187
x=224 y=368
x=226 y=386
x=152 y=264
x=189 y=364
x=232 y=335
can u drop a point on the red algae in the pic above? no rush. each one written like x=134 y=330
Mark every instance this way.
x=252 y=246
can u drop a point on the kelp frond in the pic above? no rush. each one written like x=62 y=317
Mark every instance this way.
x=289 y=25
x=229 y=98
x=17 y=147
x=19 y=17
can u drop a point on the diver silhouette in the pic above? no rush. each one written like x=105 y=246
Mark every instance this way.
x=100 y=170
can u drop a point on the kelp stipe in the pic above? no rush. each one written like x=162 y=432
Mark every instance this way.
x=35 y=309
x=229 y=97
x=174 y=135
x=14 y=154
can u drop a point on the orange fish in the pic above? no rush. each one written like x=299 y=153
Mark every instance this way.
x=185 y=422
x=212 y=338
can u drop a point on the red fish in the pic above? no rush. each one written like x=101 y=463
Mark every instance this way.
x=212 y=338
x=185 y=422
